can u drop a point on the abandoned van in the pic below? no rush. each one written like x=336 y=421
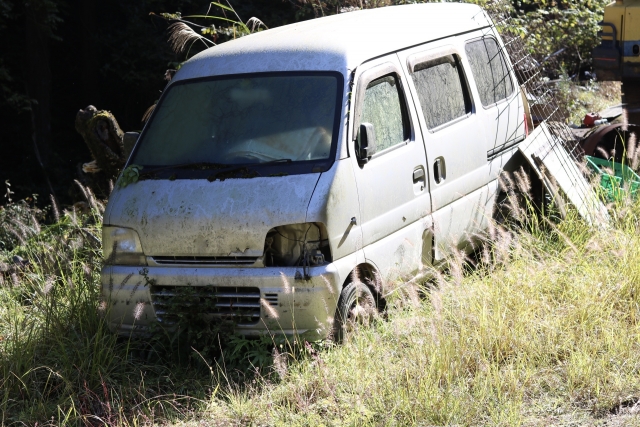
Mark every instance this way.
x=286 y=176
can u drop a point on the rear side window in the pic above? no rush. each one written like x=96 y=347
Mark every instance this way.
x=489 y=70
x=383 y=109
x=441 y=90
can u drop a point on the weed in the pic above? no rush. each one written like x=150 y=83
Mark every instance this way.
x=580 y=99
x=547 y=322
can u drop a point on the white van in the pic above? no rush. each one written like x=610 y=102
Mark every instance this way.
x=286 y=175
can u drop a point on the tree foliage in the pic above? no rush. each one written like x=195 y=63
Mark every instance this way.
x=563 y=32
x=114 y=55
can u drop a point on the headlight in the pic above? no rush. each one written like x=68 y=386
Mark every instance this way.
x=122 y=246
x=304 y=244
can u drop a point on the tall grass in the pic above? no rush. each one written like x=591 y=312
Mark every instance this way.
x=542 y=330
x=59 y=364
x=551 y=337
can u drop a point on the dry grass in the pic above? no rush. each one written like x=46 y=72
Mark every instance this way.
x=550 y=337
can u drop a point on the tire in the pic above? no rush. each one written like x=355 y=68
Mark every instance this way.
x=356 y=305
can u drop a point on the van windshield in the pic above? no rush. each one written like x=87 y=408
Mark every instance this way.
x=255 y=119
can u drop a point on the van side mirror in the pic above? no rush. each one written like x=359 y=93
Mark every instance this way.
x=366 y=142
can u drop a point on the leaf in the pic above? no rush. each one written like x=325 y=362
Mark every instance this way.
x=129 y=175
x=239 y=23
x=222 y=6
x=171 y=16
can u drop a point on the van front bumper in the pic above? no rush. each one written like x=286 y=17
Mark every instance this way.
x=257 y=300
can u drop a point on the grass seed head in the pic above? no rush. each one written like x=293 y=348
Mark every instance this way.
x=138 y=310
x=602 y=152
x=285 y=283
x=34 y=223
x=180 y=35
x=280 y=365
x=634 y=151
x=327 y=283
x=83 y=190
x=355 y=275
x=523 y=181
x=55 y=208
x=377 y=283
x=86 y=269
x=268 y=308
x=48 y=285
x=19 y=236
x=456 y=263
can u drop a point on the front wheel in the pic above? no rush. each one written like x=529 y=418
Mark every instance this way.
x=356 y=305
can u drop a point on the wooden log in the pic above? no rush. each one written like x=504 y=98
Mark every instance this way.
x=104 y=138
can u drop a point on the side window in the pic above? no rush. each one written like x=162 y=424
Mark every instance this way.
x=441 y=91
x=489 y=70
x=383 y=109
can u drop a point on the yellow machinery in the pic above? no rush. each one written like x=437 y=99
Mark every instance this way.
x=618 y=56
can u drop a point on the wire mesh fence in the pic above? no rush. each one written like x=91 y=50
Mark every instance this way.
x=545 y=108
x=542 y=101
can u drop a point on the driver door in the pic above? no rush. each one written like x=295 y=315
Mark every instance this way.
x=392 y=181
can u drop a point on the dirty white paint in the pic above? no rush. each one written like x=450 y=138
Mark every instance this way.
x=338 y=43
x=334 y=204
x=202 y=218
x=304 y=307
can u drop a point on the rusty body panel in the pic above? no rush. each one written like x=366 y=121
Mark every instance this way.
x=609 y=141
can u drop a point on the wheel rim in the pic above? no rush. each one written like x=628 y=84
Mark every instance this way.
x=361 y=310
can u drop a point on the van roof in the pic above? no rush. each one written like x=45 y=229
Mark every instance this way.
x=339 y=42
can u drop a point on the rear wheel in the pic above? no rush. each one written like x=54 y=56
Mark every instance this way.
x=356 y=306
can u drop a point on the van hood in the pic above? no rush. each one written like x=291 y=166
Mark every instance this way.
x=202 y=218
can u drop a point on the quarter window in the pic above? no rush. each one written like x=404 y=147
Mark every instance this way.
x=383 y=109
x=489 y=70
x=441 y=91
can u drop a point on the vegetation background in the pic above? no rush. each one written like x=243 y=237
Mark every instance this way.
x=58 y=56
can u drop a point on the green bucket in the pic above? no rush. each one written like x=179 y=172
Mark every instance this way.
x=616 y=179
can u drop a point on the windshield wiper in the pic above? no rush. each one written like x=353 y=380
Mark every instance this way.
x=221 y=168
x=247 y=168
x=194 y=165
x=270 y=162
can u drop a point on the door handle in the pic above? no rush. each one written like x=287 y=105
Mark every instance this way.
x=439 y=170
x=418 y=174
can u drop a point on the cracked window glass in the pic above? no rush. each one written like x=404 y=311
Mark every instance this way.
x=440 y=91
x=248 y=120
x=489 y=70
x=383 y=109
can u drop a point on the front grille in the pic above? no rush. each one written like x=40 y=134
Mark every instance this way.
x=272 y=299
x=204 y=260
x=238 y=304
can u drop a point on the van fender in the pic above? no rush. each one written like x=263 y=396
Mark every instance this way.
x=368 y=274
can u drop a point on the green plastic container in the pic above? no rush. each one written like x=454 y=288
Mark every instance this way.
x=614 y=186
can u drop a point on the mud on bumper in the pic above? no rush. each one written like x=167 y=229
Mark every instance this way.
x=257 y=300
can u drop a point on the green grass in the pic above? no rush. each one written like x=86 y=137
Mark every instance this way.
x=553 y=333
x=592 y=97
x=547 y=336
